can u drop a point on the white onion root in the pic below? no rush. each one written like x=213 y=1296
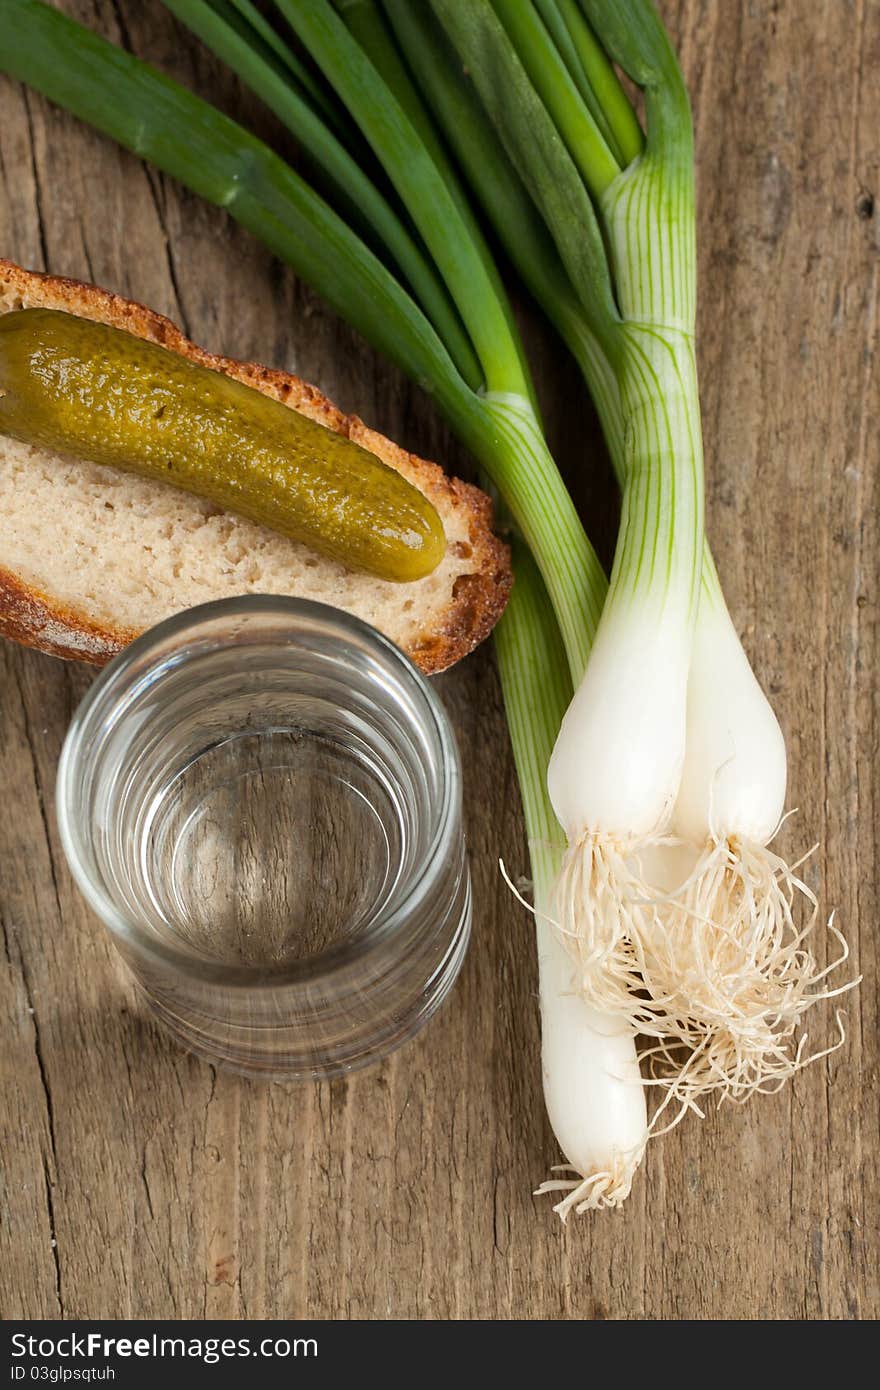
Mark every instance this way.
x=604 y=908
x=718 y=972
x=596 y=1192
x=736 y=972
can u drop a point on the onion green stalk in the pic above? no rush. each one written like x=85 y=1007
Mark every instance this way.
x=448 y=232
x=573 y=118
x=595 y=78
x=354 y=195
x=253 y=22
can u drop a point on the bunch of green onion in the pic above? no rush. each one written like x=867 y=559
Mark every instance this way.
x=637 y=724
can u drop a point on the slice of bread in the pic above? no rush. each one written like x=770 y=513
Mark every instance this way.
x=91 y=556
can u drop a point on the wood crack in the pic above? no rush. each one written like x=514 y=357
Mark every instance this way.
x=32 y=749
x=6 y=951
x=180 y=313
x=213 y=1071
x=146 y=1182
x=50 y=1203
x=38 y=192
x=495 y=1232
x=30 y=1000
x=123 y=27
x=30 y=995
x=86 y=253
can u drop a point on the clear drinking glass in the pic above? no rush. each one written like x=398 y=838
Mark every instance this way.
x=261 y=799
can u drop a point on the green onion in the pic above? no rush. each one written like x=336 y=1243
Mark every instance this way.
x=733 y=912
x=598 y=221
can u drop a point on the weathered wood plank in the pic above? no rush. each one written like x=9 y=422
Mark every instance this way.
x=174 y=1191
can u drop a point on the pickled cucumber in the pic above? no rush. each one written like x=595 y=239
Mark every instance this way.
x=99 y=393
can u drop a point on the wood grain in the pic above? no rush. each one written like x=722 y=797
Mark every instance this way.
x=139 y=1183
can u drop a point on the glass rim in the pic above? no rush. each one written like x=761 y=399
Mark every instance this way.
x=339 y=959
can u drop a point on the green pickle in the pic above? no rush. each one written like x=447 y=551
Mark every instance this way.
x=82 y=388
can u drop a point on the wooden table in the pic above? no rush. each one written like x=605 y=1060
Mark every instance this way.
x=140 y=1183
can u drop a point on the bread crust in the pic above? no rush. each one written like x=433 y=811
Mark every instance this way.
x=478 y=597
